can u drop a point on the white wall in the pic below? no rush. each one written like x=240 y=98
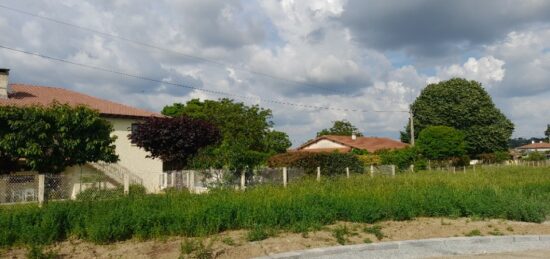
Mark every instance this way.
x=133 y=157
x=324 y=143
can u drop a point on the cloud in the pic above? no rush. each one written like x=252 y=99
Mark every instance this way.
x=436 y=28
x=487 y=70
x=371 y=55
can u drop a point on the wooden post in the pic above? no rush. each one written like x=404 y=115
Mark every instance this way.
x=347 y=172
x=173 y=174
x=371 y=170
x=464 y=167
x=392 y=170
x=474 y=166
x=318 y=174
x=126 y=184
x=412 y=168
x=454 y=170
x=192 y=181
x=243 y=180
x=429 y=165
x=285 y=176
x=41 y=189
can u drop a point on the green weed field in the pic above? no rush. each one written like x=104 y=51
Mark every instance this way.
x=514 y=193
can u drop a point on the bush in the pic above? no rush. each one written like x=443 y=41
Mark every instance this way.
x=495 y=158
x=370 y=159
x=536 y=156
x=330 y=163
x=402 y=158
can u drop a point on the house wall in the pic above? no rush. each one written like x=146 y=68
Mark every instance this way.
x=134 y=158
x=324 y=143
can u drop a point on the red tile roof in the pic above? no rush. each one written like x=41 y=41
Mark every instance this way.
x=329 y=150
x=536 y=146
x=25 y=95
x=370 y=144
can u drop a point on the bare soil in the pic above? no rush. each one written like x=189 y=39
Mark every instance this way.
x=233 y=244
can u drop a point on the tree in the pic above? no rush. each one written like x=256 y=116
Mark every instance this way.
x=174 y=140
x=547 y=133
x=441 y=142
x=340 y=128
x=49 y=139
x=247 y=138
x=465 y=106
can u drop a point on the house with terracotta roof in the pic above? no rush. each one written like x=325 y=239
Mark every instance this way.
x=133 y=162
x=330 y=143
x=535 y=147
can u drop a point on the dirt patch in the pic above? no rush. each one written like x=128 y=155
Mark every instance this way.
x=234 y=244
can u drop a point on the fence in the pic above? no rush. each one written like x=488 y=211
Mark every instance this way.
x=29 y=187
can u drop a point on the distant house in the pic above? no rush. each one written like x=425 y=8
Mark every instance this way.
x=535 y=147
x=345 y=144
x=133 y=160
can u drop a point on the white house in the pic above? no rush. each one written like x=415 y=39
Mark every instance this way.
x=133 y=160
x=344 y=144
x=535 y=147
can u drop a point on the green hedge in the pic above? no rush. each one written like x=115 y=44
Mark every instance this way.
x=331 y=163
x=510 y=193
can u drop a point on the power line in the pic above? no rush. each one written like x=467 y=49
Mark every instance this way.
x=102 y=69
x=148 y=45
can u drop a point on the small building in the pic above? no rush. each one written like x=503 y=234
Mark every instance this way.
x=329 y=143
x=134 y=161
x=535 y=147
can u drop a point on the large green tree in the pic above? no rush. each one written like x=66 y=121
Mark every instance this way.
x=340 y=128
x=441 y=142
x=49 y=139
x=247 y=137
x=465 y=106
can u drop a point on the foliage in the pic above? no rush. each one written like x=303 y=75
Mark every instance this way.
x=196 y=249
x=465 y=106
x=258 y=233
x=376 y=230
x=174 y=140
x=514 y=193
x=92 y=194
x=536 y=156
x=247 y=138
x=331 y=163
x=547 y=133
x=402 y=158
x=37 y=252
x=441 y=142
x=340 y=128
x=495 y=158
x=371 y=159
x=49 y=139
x=341 y=234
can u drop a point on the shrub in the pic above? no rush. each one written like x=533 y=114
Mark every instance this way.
x=402 y=158
x=535 y=156
x=330 y=163
x=441 y=142
x=370 y=159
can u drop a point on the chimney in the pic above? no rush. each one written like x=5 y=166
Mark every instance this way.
x=353 y=136
x=4 y=84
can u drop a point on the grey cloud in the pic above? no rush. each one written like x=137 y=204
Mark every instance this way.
x=434 y=27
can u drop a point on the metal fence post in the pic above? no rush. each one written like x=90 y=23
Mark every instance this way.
x=285 y=176
x=347 y=172
x=126 y=184
x=318 y=174
x=243 y=180
x=41 y=189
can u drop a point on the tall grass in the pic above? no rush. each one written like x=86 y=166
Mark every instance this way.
x=513 y=193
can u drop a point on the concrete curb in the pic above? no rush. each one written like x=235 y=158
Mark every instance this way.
x=425 y=248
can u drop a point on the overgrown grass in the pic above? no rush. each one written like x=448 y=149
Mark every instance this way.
x=513 y=193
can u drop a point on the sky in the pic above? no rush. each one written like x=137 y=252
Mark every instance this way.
x=356 y=56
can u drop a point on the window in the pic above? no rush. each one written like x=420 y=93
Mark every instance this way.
x=134 y=127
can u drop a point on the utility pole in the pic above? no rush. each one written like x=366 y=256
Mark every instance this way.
x=411 y=120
